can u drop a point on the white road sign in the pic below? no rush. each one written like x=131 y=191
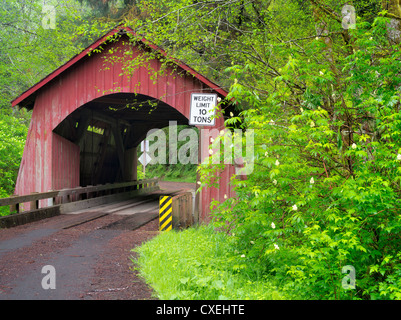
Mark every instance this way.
x=144 y=159
x=145 y=146
x=202 y=109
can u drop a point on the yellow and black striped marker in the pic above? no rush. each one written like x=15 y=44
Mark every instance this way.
x=165 y=213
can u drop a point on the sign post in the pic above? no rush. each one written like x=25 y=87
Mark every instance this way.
x=144 y=158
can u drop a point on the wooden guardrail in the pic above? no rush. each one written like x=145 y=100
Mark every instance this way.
x=75 y=194
x=183 y=210
x=67 y=200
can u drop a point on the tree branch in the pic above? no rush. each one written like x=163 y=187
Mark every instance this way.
x=327 y=10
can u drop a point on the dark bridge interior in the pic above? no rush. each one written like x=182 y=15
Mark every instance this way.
x=108 y=131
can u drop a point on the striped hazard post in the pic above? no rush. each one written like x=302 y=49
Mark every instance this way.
x=165 y=213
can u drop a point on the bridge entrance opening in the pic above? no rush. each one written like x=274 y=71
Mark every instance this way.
x=109 y=130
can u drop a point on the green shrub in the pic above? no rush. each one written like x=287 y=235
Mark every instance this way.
x=325 y=191
x=13 y=131
x=200 y=263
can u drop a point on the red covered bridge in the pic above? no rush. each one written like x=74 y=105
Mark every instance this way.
x=92 y=90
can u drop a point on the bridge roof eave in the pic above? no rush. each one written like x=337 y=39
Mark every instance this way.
x=27 y=98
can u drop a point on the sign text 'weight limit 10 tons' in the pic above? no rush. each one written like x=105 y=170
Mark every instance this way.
x=203 y=109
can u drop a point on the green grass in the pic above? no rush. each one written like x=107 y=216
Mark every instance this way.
x=199 y=263
x=177 y=173
x=180 y=179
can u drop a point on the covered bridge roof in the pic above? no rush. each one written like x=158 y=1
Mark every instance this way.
x=27 y=98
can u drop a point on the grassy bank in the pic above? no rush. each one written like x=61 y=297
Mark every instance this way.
x=178 y=172
x=199 y=263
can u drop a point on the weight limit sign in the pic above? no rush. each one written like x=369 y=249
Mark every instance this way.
x=202 y=109
x=165 y=213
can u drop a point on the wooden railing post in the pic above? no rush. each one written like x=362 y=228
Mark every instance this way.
x=14 y=207
x=34 y=204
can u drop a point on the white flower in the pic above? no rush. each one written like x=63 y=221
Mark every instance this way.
x=398 y=156
x=294 y=207
x=242 y=256
x=271 y=122
x=218 y=99
x=198 y=182
x=222 y=132
x=225 y=196
x=312 y=124
x=317 y=38
x=312 y=181
x=302 y=110
x=252 y=242
x=210 y=151
x=321 y=73
x=276 y=247
x=275 y=182
x=231 y=114
x=277 y=163
x=273 y=225
x=353 y=146
x=211 y=139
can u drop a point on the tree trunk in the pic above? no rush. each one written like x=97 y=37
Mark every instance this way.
x=394 y=26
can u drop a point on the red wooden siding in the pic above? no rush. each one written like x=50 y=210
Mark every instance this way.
x=65 y=163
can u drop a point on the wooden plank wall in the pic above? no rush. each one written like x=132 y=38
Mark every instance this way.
x=65 y=163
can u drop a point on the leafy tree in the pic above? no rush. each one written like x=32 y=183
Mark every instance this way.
x=325 y=190
x=13 y=131
x=28 y=52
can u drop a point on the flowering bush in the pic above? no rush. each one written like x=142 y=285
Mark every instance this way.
x=325 y=191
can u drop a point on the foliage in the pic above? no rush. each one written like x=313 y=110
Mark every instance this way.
x=200 y=264
x=324 y=102
x=184 y=172
x=13 y=133
x=326 y=186
x=28 y=52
